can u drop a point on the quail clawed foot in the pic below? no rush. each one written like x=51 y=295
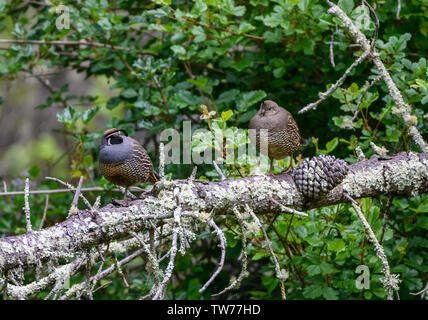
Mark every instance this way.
x=119 y=203
x=270 y=173
x=290 y=168
x=146 y=193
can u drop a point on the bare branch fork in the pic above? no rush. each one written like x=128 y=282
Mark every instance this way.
x=222 y=238
x=402 y=108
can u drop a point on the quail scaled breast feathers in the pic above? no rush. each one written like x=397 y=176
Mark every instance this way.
x=283 y=135
x=123 y=161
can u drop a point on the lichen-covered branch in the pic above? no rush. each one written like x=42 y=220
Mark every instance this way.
x=403 y=174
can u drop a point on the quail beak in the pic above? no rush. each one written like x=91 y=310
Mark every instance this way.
x=262 y=112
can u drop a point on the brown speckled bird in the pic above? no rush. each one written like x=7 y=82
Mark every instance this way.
x=283 y=134
x=124 y=161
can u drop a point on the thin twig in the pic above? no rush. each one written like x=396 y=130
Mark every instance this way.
x=161 y=161
x=360 y=154
x=332 y=89
x=391 y=281
x=193 y=174
x=44 y=82
x=102 y=286
x=71 y=187
x=398 y=9
x=80 y=286
x=366 y=88
x=385 y=209
x=170 y=267
x=72 y=43
x=422 y=292
x=376 y=25
x=100 y=269
x=244 y=257
x=222 y=177
x=27 y=205
x=73 y=208
x=331 y=48
x=331 y=51
x=402 y=108
x=44 y=212
x=381 y=151
x=6 y=278
x=119 y=270
x=287 y=209
x=222 y=238
x=201 y=93
x=281 y=274
x=213 y=27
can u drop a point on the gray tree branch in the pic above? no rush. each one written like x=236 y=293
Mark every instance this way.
x=404 y=174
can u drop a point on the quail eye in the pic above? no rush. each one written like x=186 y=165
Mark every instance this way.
x=114 y=140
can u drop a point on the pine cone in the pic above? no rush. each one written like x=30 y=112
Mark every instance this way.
x=319 y=175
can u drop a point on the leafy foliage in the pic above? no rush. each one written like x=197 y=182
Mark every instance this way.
x=166 y=59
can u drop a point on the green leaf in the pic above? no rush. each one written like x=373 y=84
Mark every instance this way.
x=273 y=37
x=113 y=102
x=260 y=255
x=34 y=171
x=2 y=6
x=179 y=37
x=313 y=270
x=330 y=294
x=68 y=116
x=239 y=11
x=422 y=222
x=129 y=93
x=200 y=82
x=347 y=5
x=247 y=99
x=231 y=239
x=245 y=117
x=422 y=208
x=332 y=144
x=380 y=292
x=227 y=96
x=326 y=268
x=104 y=23
x=178 y=50
x=88 y=161
x=312 y=291
x=89 y=114
x=270 y=283
x=244 y=27
x=336 y=245
x=199 y=33
x=304 y=5
x=225 y=115
x=198 y=8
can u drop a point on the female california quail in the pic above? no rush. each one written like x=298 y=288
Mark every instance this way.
x=283 y=134
x=124 y=161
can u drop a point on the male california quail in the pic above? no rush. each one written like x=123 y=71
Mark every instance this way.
x=124 y=161
x=283 y=134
